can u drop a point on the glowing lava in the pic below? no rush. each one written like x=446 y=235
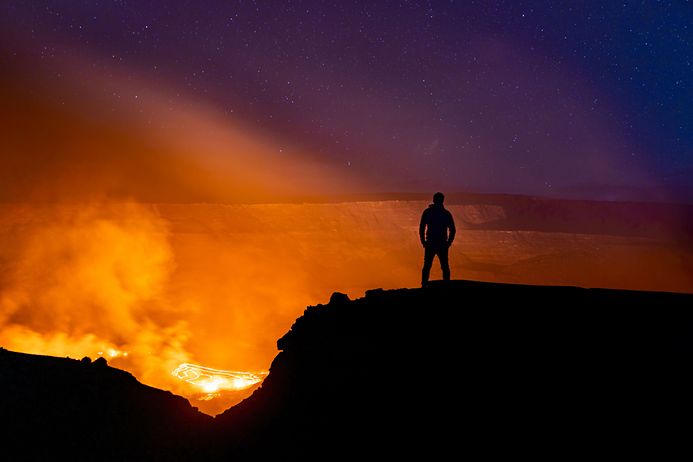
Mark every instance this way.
x=113 y=353
x=211 y=380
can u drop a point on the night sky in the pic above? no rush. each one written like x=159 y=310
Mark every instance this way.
x=570 y=99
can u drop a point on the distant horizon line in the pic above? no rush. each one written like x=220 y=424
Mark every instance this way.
x=451 y=198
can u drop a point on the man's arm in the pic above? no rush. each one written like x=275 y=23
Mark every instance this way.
x=422 y=229
x=453 y=231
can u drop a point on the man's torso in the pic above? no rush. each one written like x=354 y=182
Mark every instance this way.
x=437 y=220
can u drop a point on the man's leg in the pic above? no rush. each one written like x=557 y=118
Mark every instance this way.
x=429 y=254
x=444 y=264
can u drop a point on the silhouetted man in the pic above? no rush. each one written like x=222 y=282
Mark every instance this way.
x=433 y=232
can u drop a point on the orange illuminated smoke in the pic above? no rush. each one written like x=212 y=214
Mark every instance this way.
x=211 y=381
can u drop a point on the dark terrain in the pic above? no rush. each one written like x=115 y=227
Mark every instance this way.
x=464 y=368
x=65 y=409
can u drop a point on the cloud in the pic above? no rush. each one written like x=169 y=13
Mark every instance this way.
x=118 y=133
x=92 y=279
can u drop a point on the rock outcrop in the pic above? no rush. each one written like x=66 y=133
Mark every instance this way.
x=466 y=368
x=457 y=369
x=65 y=409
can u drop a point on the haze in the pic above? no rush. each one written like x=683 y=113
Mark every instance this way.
x=159 y=220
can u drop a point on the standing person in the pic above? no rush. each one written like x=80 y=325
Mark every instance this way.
x=436 y=220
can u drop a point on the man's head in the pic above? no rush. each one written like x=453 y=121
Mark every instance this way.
x=438 y=198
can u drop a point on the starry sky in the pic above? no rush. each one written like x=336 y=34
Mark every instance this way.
x=571 y=99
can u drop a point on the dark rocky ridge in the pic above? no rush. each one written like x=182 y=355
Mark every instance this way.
x=456 y=369
x=465 y=367
x=64 y=409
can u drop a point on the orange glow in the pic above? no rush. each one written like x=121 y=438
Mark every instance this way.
x=160 y=147
x=212 y=380
x=151 y=287
x=154 y=287
x=98 y=258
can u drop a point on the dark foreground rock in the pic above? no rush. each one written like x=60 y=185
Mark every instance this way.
x=65 y=409
x=469 y=368
x=462 y=369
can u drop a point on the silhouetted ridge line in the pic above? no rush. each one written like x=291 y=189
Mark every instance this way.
x=464 y=366
x=456 y=368
x=65 y=409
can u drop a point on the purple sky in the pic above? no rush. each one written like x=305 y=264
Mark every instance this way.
x=570 y=99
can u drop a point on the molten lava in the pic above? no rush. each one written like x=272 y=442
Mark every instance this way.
x=211 y=381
